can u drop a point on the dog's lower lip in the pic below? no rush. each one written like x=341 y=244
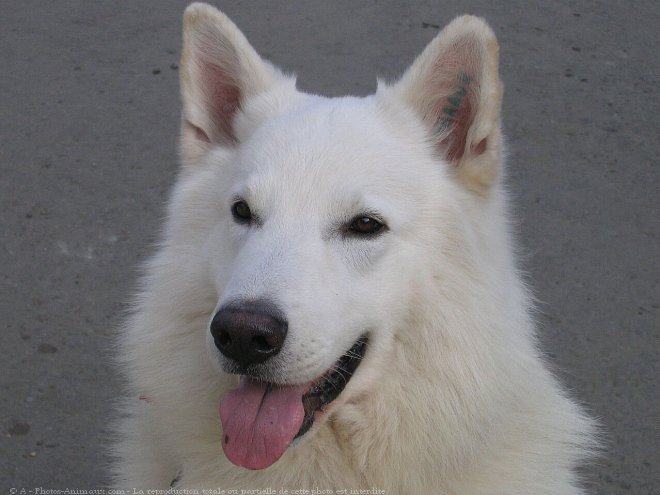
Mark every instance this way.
x=330 y=385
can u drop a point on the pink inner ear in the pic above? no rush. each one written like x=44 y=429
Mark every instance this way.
x=459 y=119
x=455 y=115
x=480 y=147
x=454 y=85
x=200 y=134
x=225 y=99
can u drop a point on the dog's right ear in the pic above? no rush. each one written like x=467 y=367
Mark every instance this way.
x=219 y=70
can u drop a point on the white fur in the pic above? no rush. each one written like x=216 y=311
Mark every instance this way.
x=453 y=396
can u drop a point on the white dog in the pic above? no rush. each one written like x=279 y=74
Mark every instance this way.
x=335 y=303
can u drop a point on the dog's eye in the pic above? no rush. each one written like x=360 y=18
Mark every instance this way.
x=364 y=225
x=241 y=212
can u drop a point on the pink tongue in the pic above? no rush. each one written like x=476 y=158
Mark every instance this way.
x=259 y=421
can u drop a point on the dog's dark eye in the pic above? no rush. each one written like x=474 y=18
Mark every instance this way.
x=241 y=212
x=365 y=225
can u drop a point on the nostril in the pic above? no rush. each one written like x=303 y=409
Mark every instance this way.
x=223 y=338
x=260 y=344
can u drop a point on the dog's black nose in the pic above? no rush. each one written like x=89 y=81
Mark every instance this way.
x=249 y=332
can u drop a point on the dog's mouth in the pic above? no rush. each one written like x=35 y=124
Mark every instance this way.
x=328 y=386
x=261 y=419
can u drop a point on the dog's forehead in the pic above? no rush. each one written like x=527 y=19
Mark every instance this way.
x=326 y=143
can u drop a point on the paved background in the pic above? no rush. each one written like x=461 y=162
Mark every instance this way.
x=88 y=126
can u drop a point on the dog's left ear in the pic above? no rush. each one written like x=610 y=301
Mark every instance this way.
x=454 y=86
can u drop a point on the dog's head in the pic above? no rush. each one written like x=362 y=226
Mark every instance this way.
x=317 y=218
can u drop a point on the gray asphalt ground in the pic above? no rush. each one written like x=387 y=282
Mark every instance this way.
x=88 y=130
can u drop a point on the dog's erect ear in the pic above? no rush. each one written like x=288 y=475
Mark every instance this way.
x=219 y=69
x=454 y=87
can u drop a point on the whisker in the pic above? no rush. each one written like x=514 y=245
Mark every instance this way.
x=339 y=370
x=352 y=355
